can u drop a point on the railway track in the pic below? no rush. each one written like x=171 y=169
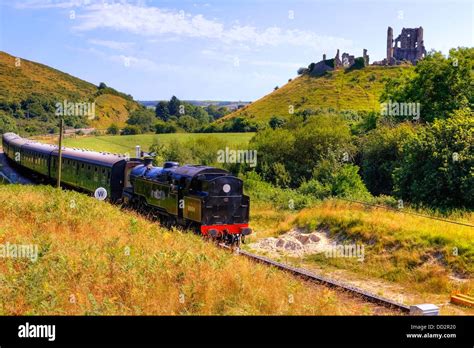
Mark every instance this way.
x=305 y=274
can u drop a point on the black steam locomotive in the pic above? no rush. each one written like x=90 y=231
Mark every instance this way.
x=206 y=199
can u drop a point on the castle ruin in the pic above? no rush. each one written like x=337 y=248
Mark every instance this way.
x=345 y=61
x=408 y=46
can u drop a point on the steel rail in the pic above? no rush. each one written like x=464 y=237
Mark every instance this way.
x=305 y=274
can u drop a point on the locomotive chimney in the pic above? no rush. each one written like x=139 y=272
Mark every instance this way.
x=147 y=161
x=138 y=153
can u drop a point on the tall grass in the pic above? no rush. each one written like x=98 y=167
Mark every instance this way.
x=398 y=247
x=95 y=259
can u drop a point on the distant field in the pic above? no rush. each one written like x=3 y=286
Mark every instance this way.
x=127 y=143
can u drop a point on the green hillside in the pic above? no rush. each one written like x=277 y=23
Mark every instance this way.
x=356 y=90
x=31 y=90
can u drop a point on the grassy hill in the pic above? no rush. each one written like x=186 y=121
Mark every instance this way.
x=95 y=259
x=357 y=90
x=34 y=87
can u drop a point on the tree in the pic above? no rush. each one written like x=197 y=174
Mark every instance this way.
x=161 y=110
x=301 y=146
x=437 y=164
x=197 y=112
x=173 y=106
x=216 y=112
x=188 y=123
x=441 y=85
x=381 y=155
x=143 y=119
x=102 y=85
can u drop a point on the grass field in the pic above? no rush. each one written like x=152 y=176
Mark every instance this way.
x=94 y=259
x=423 y=259
x=353 y=90
x=127 y=143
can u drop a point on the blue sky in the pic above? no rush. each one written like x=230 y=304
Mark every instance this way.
x=220 y=50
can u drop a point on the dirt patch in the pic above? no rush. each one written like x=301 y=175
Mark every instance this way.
x=296 y=242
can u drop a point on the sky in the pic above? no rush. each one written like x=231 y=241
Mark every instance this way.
x=214 y=50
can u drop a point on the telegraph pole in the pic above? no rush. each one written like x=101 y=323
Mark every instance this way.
x=61 y=126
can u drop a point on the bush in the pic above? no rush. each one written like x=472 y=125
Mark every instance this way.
x=210 y=128
x=348 y=183
x=131 y=130
x=7 y=124
x=165 y=127
x=331 y=178
x=315 y=189
x=260 y=190
x=302 y=71
x=113 y=129
x=276 y=122
x=359 y=63
x=240 y=124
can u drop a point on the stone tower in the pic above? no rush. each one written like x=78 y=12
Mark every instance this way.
x=389 y=44
x=408 y=46
x=420 y=48
x=366 y=57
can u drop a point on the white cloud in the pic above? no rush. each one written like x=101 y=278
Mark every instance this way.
x=115 y=45
x=39 y=4
x=154 y=22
